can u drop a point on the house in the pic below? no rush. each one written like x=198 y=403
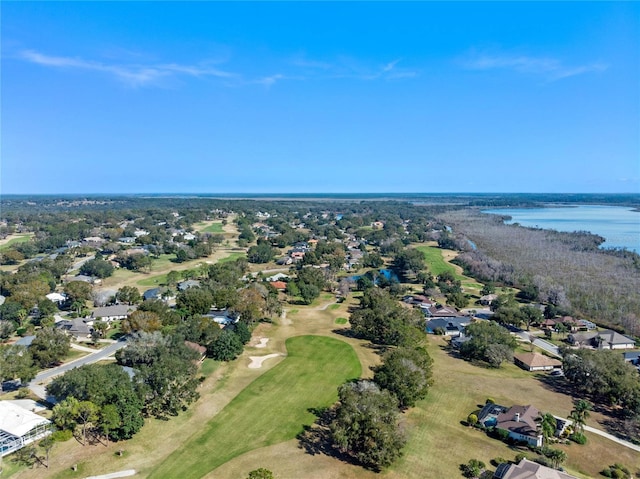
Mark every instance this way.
x=584 y=324
x=526 y=469
x=279 y=285
x=440 y=311
x=278 y=277
x=84 y=278
x=487 y=299
x=223 y=317
x=201 y=350
x=113 y=313
x=519 y=422
x=76 y=327
x=20 y=427
x=536 y=362
x=190 y=283
x=284 y=261
x=606 y=339
x=58 y=298
x=632 y=357
x=452 y=327
x=153 y=293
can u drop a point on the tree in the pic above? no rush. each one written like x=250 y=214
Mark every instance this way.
x=556 y=456
x=405 y=372
x=98 y=268
x=140 y=320
x=108 y=420
x=473 y=468
x=243 y=332
x=261 y=473
x=86 y=413
x=47 y=444
x=129 y=295
x=103 y=385
x=78 y=291
x=489 y=342
x=366 y=424
x=172 y=278
x=579 y=414
x=226 y=347
x=168 y=384
x=195 y=301
x=261 y=253
x=309 y=292
x=382 y=320
x=409 y=262
x=16 y=362
x=49 y=347
x=548 y=425
x=181 y=256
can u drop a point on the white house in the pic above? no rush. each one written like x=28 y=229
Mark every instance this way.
x=20 y=427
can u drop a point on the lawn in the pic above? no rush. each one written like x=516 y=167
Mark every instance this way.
x=438 y=264
x=272 y=409
x=15 y=239
x=213 y=228
x=342 y=320
x=459 y=387
x=232 y=257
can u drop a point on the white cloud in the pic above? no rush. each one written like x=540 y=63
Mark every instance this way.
x=550 y=68
x=132 y=74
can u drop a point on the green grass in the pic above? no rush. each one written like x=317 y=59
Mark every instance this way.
x=213 y=228
x=435 y=261
x=333 y=307
x=14 y=241
x=342 y=320
x=209 y=366
x=233 y=257
x=293 y=311
x=158 y=280
x=272 y=409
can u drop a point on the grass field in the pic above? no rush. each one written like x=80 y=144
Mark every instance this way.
x=213 y=228
x=435 y=259
x=232 y=257
x=342 y=320
x=271 y=409
x=14 y=239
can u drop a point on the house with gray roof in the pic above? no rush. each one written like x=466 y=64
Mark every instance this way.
x=75 y=327
x=606 y=339
x=114 y=312
x=526 y=469
x=452 y=327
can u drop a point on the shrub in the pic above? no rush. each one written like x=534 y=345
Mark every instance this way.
x=489 y=401
x=472 y=419
x=502 y=434
x=61 y=436
x=520 y=457
x=578 y=437
x=23 y=393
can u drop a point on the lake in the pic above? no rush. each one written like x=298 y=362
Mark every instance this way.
x=619 y=225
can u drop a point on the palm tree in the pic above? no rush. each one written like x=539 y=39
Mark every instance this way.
x=557 y=457
x=579 y=414
x=548 y=426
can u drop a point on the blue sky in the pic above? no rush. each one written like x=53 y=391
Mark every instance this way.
x=124 y=97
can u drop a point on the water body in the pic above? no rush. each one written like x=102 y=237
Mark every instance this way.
x=619 y=225
x=387 y=273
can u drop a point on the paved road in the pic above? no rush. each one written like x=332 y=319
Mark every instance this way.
x=38 y=388
x=78 y=264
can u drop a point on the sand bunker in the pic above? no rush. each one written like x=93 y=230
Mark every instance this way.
x=256 y=361
x=263 y=343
